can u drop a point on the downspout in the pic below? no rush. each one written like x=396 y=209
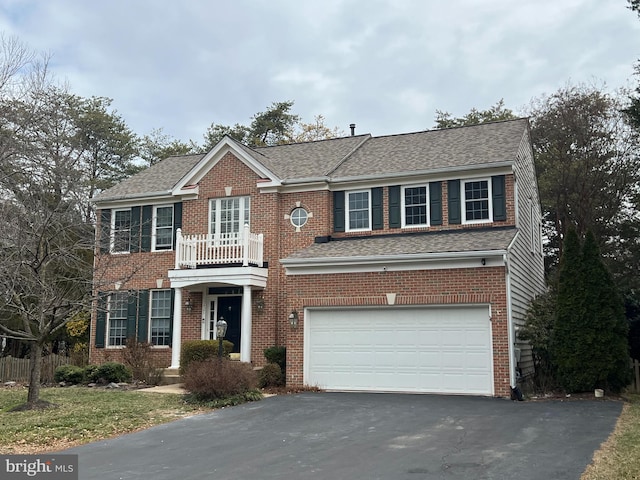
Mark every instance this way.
x=511 y=332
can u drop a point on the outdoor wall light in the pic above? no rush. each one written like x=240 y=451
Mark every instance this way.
x=260 y=304
x=188 y=305
x=293 y=318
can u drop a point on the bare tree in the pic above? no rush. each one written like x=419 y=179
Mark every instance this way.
x=46 y=242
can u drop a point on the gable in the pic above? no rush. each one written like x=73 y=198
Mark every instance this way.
x=220 y=151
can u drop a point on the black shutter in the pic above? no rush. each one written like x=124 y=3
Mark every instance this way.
x=134 y=242
x=455 y=204
x=105 y=231
x=177 y=220
x=101 y=319
x=394 y=207
x=132 y=314
x=143 y=316
x=338 y=211
x=173 y=301
x=435 y=202
x=499 y=198
x=377 y=221
x=147 y=220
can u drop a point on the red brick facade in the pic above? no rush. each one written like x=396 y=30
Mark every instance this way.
x=269 y=215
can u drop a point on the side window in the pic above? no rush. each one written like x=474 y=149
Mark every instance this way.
x=414 y=206
x=476 y=195
x=162 y=238
x=117 y=319
x=359 y=210
x=120 y=231
x=160 y=317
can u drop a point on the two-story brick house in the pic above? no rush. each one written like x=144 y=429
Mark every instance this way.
x=394 y=263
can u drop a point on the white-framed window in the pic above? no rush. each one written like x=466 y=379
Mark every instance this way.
x=476 y=201
x=227 y=217
x=160 y=318
x=117 y=319
x=162 y=238
x=415 y=206
x=299 y=217
x=120 y=231
x=358 y=210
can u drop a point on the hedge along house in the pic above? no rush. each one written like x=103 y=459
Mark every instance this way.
x=400 y=263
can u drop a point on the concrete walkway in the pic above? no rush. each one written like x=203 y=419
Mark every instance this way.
x=175 y=388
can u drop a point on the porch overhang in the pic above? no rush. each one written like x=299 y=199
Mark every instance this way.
x=240 y=276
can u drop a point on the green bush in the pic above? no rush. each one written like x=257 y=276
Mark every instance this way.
x=111 y=372
x=90 y=371
x=277 y=355
x=200 y=350
x=69 y=374
x=219 y=378
x=271 y=376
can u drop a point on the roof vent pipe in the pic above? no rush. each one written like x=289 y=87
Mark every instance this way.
x=353 y=129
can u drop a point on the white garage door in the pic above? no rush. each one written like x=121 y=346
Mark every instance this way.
x=394 y=349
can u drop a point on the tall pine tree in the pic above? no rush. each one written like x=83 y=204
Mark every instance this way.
x=589 y=339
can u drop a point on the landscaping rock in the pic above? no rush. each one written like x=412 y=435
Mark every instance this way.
x=91 y=385
x=112 y=385
x=10 y=384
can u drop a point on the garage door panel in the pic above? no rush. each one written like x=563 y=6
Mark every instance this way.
x=439 y=350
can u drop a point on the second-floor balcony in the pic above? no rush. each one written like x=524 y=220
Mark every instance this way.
x=238 y=248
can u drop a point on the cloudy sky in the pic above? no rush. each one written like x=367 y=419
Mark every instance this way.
x=386 y=65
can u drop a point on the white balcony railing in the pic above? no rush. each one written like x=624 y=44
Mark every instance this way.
x=243 y=247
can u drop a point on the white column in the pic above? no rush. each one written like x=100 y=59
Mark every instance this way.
x=245 y=325
x=177 y=329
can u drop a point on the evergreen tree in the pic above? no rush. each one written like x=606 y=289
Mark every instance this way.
x=605 y=328
x=589 y=338
x=566 y=352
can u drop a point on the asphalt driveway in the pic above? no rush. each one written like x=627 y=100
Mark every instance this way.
x=363 y=436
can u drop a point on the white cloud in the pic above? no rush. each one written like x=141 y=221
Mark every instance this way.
x=385 y=64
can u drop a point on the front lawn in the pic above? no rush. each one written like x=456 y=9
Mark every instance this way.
x=83 y=415
x=619 y=457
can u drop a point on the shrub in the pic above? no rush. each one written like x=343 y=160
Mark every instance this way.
x=200 y=350
x=111 y=372
x=90 y=371
x=138 y=357
x=219 y=378
x=271 y=376
x=69 y=374
x=277 y=355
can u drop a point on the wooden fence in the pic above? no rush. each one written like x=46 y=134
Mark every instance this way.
x=635 y=383
x=17 y=369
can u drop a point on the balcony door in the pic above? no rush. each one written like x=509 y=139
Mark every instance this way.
x=227 y=217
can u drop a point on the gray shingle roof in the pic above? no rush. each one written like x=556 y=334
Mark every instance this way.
x=307 y=160
x=161 y=177
x=348 y=157
x=478 y=240
x=436 y=149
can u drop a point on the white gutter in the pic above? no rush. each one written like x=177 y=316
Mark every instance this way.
x=472 y=169
x=402 y=258
x=127 y=197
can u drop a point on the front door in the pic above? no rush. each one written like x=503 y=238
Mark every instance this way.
x=230 y=309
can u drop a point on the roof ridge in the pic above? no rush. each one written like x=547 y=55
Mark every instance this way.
x=457 y=127
x=310 y=141
x=346 y=157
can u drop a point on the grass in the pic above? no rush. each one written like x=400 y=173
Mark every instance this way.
x=82 y=415
x=619 y=457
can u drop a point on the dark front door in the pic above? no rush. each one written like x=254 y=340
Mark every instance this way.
x=229 y=308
